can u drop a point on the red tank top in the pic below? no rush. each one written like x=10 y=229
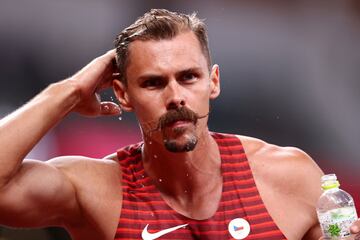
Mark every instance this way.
x=145 y=212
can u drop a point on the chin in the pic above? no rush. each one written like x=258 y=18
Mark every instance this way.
x=181 y=140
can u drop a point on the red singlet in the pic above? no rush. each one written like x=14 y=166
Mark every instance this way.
x=145 y=212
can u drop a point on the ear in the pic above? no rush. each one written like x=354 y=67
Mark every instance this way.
x=120 y=91
x=214 y=82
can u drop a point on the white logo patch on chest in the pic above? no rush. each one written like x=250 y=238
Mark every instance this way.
x=239 y=228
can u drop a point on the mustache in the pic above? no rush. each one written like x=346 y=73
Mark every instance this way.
x=179 y=114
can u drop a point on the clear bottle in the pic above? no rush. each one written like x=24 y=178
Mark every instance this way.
x=335 y=209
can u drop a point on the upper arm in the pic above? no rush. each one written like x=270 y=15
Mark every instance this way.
x=303 y=181
x=39 y=194
x=304 y=175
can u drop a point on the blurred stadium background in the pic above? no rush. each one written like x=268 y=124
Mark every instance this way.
x=289 y=70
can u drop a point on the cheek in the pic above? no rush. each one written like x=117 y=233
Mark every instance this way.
x=147 y=112
x=144 y=105
x=201 y=96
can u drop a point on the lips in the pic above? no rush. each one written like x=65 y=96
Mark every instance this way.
x=179 y=123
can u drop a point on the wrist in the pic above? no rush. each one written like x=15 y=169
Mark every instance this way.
x=66 y=92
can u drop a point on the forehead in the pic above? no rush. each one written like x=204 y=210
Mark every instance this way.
x=165 y=56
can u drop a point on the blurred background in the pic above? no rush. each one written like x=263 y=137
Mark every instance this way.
x=289 y=73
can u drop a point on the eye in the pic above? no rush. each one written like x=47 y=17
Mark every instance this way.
x=189 y=76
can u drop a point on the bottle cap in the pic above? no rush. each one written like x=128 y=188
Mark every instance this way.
x=329 y=181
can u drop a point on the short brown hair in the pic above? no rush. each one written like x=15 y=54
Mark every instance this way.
x=159 y=24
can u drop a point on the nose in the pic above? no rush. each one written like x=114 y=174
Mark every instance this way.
x=174 y=96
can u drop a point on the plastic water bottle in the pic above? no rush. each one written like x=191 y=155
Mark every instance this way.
x=335 y=209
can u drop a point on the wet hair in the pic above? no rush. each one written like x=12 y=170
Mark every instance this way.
x=158 y=24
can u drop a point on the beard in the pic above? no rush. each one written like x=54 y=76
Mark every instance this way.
x=179 y=138
x=184 y=143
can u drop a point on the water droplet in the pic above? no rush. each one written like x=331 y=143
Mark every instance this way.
x=142 y=176
x=155 y=156
x=160 y=180
x=187 y=174
x=185 y=191
x=150 y=142
x=120 y=118
x=152 y=214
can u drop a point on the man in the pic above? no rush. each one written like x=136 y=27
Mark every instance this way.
x=182 y=182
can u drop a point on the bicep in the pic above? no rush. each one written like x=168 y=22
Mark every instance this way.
x=309 y=175
x=39 y=194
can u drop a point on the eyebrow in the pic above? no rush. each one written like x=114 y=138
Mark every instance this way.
x=177 y=74
x=189 y=70
x=149 y=77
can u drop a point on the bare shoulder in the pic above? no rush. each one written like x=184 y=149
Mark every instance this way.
x=112 y=156
x=85 y=171
x=255 y=146
x=260 y=152
x=70 y=164
x=287 y=167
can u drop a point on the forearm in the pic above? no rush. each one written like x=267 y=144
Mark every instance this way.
x=21 y=130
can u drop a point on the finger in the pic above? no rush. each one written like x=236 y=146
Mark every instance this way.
x=101 y=66
x=111 y=53
x=110 y=109
x=108 y=57
x=107 y=81
x=110 y=73
x=355 y=227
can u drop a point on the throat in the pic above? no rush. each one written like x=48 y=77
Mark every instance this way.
x=187 y=181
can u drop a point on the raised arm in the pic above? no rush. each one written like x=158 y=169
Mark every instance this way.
x=34 y=193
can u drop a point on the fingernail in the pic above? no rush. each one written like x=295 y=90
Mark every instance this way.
x=105 y=108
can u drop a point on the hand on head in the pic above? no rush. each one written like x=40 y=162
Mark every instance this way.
x=94 y=77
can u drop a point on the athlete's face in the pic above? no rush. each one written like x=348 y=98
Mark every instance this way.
x=168 y=85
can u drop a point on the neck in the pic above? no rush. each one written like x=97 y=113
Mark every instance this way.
x=183 y=174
